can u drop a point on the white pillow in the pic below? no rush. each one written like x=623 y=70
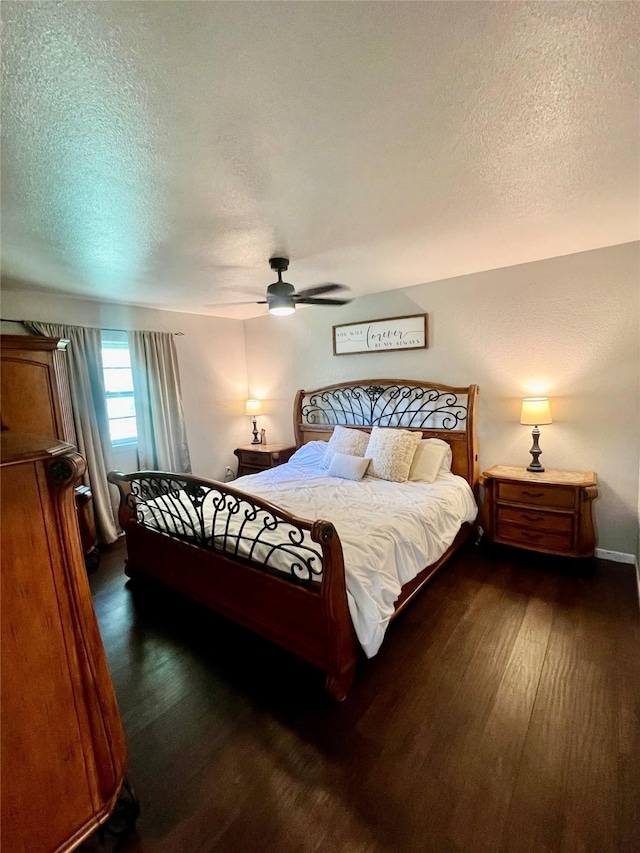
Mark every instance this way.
x=353 y=442
x=391 y=452
x=448 y=459
x=348 y=467
x=432 y=456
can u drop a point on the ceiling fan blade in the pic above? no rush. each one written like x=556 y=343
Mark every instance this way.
x=234 y=304
x=327 y=287
x=310 y=300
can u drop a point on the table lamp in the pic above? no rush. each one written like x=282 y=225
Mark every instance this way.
x=535 y=411
x=252 y=409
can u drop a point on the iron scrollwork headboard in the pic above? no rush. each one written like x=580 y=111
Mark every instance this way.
x=386 y=406
x=442 y=411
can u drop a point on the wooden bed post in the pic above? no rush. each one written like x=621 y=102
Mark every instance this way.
x=343 y=644
x=297 y=408
x=472 y=439
x=125 y=510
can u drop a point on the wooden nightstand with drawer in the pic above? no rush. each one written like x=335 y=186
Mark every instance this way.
x=548 y=512
x=253 y=458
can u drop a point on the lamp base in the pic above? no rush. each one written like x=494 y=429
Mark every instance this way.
x=535 y=451
x=256 y=437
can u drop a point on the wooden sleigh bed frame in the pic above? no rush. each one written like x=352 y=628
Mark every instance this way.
x=304 y=610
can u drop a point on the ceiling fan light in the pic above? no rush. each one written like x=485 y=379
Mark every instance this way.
x=282 y=309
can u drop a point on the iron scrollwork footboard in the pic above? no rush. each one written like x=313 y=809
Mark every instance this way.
x=250 y=561
x=227 y=521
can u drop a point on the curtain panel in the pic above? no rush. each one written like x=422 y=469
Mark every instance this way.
x=162 y=436
x=90 y=416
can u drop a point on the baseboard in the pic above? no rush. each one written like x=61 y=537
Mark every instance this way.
x=615 y=556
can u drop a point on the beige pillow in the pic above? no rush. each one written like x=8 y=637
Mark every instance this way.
x=391 y=452
x=353 y=442
x=348 y=467
x=432 y=456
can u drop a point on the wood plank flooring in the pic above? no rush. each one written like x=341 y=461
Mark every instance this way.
x=502 y=714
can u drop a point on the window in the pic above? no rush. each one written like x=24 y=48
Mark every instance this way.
x=118 y=384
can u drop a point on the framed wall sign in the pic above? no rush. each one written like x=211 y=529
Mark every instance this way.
x=395 y=333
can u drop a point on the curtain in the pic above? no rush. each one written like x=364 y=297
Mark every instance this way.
x=90 y=416
x=162 y=437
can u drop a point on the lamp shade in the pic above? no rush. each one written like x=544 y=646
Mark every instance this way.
x=535 y=411
x=253 y=407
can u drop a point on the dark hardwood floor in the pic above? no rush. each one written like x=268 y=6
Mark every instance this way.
x=502 y=714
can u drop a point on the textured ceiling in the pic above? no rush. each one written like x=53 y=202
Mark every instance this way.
x=159 y=152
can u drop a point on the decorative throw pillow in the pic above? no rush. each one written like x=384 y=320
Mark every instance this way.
x=447 y=462
x=432 y=456
x=391 y=452
x=348 y=467
x=353 y=442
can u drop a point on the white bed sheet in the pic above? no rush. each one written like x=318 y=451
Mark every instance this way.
x=389 y=531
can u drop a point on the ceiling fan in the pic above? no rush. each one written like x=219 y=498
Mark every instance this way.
x=282 y=297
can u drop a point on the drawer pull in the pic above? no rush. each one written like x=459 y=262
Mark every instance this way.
x=531 y=535
x=533 y=494
x=531 y=517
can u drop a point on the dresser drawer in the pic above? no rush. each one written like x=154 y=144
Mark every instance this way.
x=243 y=469
x=534 y=520
x=255 y=460
x=531 y=493
x=537 y=539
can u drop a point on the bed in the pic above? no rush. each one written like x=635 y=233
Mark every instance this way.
x=299 y=556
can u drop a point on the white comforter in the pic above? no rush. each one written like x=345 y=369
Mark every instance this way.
x=389 y=531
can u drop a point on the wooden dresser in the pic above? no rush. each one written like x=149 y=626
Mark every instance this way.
x=36 y=399
x=253 y=458
x=35 y=387
x=549 y=512
x=63 y=748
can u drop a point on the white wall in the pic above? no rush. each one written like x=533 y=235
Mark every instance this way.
x=211 y=358
x=566 y=327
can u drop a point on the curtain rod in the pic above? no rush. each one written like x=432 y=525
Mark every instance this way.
x=103 y=328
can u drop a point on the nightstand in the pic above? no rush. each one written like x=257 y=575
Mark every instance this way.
x=253 y=458
x=548 y=512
